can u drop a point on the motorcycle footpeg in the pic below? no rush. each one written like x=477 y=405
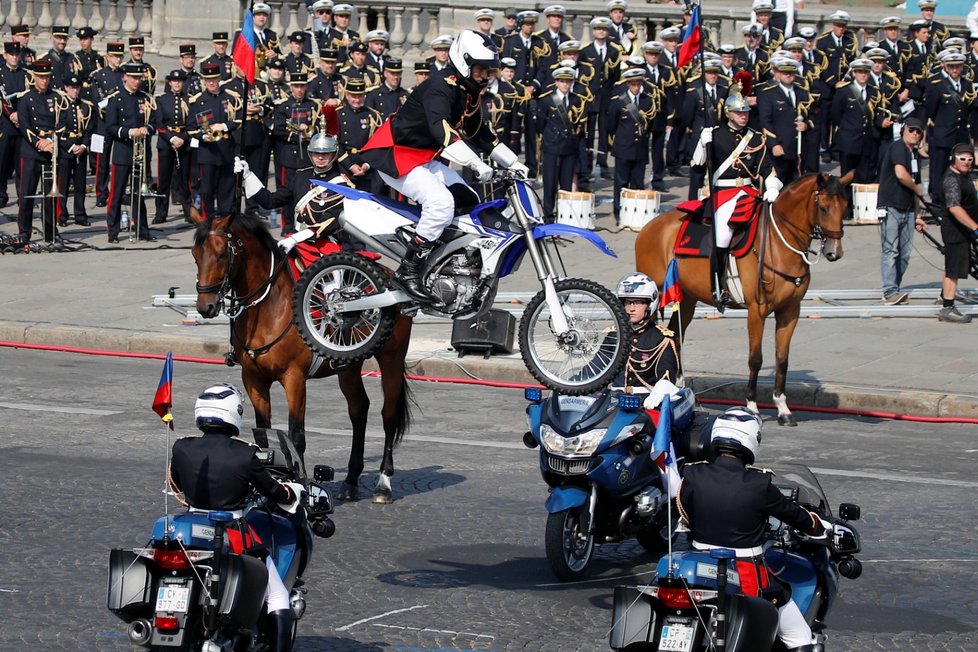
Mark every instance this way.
x=323 y=473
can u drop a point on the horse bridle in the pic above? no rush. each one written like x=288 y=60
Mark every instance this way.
x=236 y=304
x=234 y=245
x=817 y=233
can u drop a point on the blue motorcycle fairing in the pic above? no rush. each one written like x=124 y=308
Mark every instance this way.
x=193 y=529
x=279 y=535
x=564 y=498
x=798 y=571
x=697 y=567
x=566 y=230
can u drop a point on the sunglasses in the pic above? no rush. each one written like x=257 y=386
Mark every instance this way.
x=965 y=159
x=914 y=130
x=322 y=11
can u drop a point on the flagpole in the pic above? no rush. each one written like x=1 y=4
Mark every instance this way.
x=239 y=177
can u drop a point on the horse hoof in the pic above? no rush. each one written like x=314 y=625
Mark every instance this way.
x=348 y=492
x=787 y=420
x=383 y=497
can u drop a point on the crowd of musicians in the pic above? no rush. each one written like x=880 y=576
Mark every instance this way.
x=563 y=105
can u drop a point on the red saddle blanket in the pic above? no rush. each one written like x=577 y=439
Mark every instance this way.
x=695 y=238
x=309 y=251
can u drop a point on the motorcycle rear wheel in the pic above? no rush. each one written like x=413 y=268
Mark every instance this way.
x=589 y=356
x=342 y=336
x=567 y=551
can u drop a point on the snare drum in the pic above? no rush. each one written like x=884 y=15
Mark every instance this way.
x=864 y=203
x=575 y=209
x=638 y=207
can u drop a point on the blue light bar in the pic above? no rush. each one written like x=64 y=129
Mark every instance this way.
x=630 y=402
x=533 y=394
x=220 y=517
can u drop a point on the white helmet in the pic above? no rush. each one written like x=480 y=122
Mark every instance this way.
x=639 y=286
x=220 y=406
x=737 y=431
x=472 y=49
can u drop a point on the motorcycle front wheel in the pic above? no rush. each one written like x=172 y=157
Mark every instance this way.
x=591 y=353
x=568 y=547
x=342 y=336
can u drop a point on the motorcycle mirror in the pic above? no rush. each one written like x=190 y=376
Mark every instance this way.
x=849 y=512
x=323 y=473
x=528 y=440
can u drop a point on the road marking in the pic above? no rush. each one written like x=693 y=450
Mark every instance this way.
x=30 y=407
x=379 y=434
x=383 y=615
x=895 y=477
x=598 y=580
x=917 y=561
x=435 y=631
x=9 y=591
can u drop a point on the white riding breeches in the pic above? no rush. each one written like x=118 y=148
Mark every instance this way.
x=793 y=629
x=428 y=185
x=276 y=595
x=721 y=220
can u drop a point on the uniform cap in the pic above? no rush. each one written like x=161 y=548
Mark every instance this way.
x=877 y=54
x=840 y=18
x=653 y=47
x=569 y=46
x=511 y=12
x=342 y=10
x=752 y=29
x=275 y=64
x=60 y=30
x=356 y=86
x=115 y=49
x=422 y=66
x=210 y=70
x=41 y=67
x=378 y=35
x=729 y=48
x=261 y=8
x=953 y=58
x=783 y=64
x=321 y=5
x=555 y=10
x=393 y=65
x=635 y=61
x=711 y=65
x=219 y=37
x=329 y=54
x=527 y=17
x=954 y=42
x=177 y=75
x=761 y=6
x=918 y=24
x=133 y=69
x=670 y=34
x=891 y=21
x=861 y=64
x=601 y=22
x=807 y=33
x=297 y=37
x=926 y=4
x=20 y=30
x=617 y=4
x=485 y=13
x=299 y=78
x=564 y=72
x=72 y=79
x=86 y=32
x=441 y=42
x=188 y=50
x=869 y=45
x=507 y=62
x=633 y=74
x=567 y=63
x=137 y=42
x=357 y=46
x=11 y=47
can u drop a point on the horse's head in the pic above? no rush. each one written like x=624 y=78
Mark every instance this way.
x=831 y=202
x=217 y=251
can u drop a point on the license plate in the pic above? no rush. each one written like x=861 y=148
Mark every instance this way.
x=676 y=637
x=173 y=599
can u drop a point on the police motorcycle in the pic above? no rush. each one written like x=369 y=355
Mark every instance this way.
x=345 y=305
x=596 y=457
x=185 y=589
x=694 y=602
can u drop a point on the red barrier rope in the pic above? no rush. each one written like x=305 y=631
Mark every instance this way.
x=894 y=416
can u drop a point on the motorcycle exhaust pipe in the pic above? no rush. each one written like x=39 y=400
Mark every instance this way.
x=139 y=632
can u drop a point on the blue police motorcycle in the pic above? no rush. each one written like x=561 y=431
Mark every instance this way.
x=187 y=589
x=595 y=455
x=678 y=611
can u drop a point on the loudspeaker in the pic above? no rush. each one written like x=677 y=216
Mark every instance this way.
x=491 y=333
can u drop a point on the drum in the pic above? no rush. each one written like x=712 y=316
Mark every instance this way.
x=575 y=209
x=864 y=203
x=638 y=207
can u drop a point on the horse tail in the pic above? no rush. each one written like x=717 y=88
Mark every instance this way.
x=404 y=401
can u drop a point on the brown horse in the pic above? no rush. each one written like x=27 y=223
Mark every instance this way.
x=775 y=272
x=238 y=262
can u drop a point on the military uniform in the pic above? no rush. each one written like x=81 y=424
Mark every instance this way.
x=607 y=71
x=857 y=124
x=14 y=83
x=39 y=113
x=524 y=51
x=369 y=76
x=756 y=62
x=356 y=128
x=386 y=100
x=778 y=110
x=300 y=64
x=334 y=39
x=548 y=55
x=324 y=87
x=105 y=83
x=653 y=356
x=663 y=84
x=224 y=62
x=173 y=171
x=277 y=91
x=75 y=125
x=838 y=53
x=705 y=113
x=63 y=63
x=125 y=111
x=949 y=112
x=291 y=141
x=327 y=206
x=627 y=120
x=148 y=84
x=503 y=106
x=560 y=124
x=215 y=150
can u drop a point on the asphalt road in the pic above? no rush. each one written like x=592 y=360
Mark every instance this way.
x=457 y=561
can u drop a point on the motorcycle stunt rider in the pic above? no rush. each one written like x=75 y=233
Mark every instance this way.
x=653 y=354
x=737 y=157
x=217 y=472
x=442 y=117
x=726 y=504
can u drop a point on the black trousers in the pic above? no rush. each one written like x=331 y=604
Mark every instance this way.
x=696 y=178
x=72 y=170
x=938 y=163
x=658 y=158
x=103 y=166
x=779 y=19
x=119 y=199
x=530 y=131
x=596 y=127
x=253 y=155
x=864 y=171
x=9 y=163
x=172 y=181
x=216 y=189
x=676 y=149
x=30 y=177
x=283 y=178
x=558 y=171
x=628 y=174
x=785 y=168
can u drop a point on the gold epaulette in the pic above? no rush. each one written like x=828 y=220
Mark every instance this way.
x=761 y=469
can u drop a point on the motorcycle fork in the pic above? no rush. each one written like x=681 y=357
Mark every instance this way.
x=546 y=272
x=592 y=508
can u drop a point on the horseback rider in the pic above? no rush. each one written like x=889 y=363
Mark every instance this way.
x=653 y=355
x=737 y=158
x=726 y=504
x=217 y=471
x=442 y=118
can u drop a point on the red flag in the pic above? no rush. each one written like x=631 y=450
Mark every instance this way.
x=671 y=291
x=244 y=48
x=692 y=38
x=163 y=400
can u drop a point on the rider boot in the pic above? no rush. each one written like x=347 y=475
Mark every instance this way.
x=408 y=274
x=281 y=634
x=803 y=648
x=719 y=273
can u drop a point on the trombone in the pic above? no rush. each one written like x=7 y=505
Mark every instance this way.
x=139 y=186
x=48 y=194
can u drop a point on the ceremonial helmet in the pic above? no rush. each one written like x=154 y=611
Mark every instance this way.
x=472 y=49
x=220 y=406
x=737 y=431
x=323 y=143
x=641 y=287
x=736 y=103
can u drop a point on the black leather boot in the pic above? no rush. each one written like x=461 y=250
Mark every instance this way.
x=719 y=274
x=803 y=648
x=408 y=274
x=280 y=637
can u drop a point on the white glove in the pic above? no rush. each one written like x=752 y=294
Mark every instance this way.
x=297 y=490
x=241 y=166
x=521 y=170
x=220 y=126
x=706 y=136
x=772 y=188
x=252 y=184
x=483 y=172
x=503 y=156
x=287 y=244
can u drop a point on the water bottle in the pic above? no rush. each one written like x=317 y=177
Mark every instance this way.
x=124 y=220
x=273 y=218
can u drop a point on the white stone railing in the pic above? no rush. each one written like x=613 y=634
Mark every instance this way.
x=112 y=18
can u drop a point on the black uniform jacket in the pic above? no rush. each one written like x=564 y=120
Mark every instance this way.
x=217 y=472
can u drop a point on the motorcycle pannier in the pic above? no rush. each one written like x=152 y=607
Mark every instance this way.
x=130 y=585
